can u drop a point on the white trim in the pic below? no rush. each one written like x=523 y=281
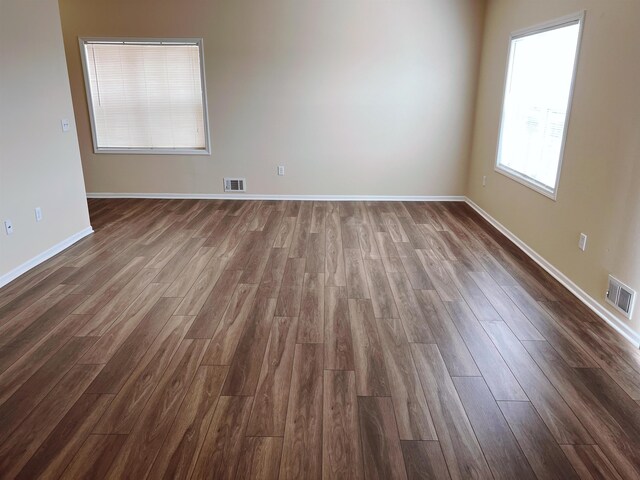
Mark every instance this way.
x=321 y=198
x=46 y=255
x=536 y=186
x=83 y=41
x=597 y=307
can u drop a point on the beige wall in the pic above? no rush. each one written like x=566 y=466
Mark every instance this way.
x=353 y=97
x=599 y=192
x=39 y=164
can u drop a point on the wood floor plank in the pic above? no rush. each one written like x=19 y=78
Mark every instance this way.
x=27 y=297
x=220 y=453
x=414 y=267
x=103 y=319
x=416 y=238
x=557 y=415
x=356 y=277
x=452 y=347
x=311 y=318
x=500 y=447
x=557 y=336
x=301 y=232
x=25 y=399
x=39 y=329
x=125 y=409
x=206 y=321
x=260 y=458
x=302 y=444
x=94 y=458
x=244 y=371
x=424 y=460
x=225 y=339
x=410 y=309
x=199 y=290
x=439 y=276
x=341 y=450
x=508 y=311
x=273 y=273
x=335 y=273
x=471 y=293
x=544 y=454
x=460 y=446
x=28 y=437
x=386 y=245
x=371 y=375
x=121 y=364
x=381 y=450
x=177 y=263
x=147 y=308
x=590 y=462
x=367 y=242
x=315 y=256
x=148 y=434
x=269 y=410
x=496 y=373
x=55 y=453
x=285 y=233
x=381 y=295
x=32 y=360
x=291 y=288
x=409 y=403
x=619 y=440
x=10 y=328
x=254 y=267
x=338 y=345
x=179 y=452
x=615 y=361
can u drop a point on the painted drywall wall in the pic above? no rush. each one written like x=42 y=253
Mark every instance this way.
x=599 y=191
x=39 y=163
x=353 y=97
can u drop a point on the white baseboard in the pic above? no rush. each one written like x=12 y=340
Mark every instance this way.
x=597 y=307
x=46 y=255
x=242 y=196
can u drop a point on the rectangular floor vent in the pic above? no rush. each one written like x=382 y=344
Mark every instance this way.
x=235 y=185
x=620 y=296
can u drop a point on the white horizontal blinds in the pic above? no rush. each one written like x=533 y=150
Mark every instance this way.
x=536 y=102
x=146 y=96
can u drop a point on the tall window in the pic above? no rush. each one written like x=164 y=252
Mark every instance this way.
x=146 y=96
x=537 y=100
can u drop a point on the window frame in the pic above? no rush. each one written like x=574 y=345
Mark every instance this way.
x=518 y=177
x=147 y=151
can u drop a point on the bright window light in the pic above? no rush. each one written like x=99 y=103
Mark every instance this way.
x=146 y=96
x=536 y=105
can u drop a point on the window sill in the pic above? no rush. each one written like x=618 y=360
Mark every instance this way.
x=528 y=182
x=151 y=151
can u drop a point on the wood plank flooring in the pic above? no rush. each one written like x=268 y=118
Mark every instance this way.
x=306 y=340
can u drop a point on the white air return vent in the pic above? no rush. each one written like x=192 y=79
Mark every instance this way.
x=235 y=185
x=621 y=297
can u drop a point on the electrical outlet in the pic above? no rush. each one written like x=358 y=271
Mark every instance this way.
x=582 y=243
x=8 y=227
x=281 y=170
x=484 y=180
x=65 y=125
x=38 y=212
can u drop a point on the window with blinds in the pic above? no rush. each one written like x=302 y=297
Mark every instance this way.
x=146 y=96
x=537 y=100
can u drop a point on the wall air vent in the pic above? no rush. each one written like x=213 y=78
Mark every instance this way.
x=620 y=296
x=235 y=185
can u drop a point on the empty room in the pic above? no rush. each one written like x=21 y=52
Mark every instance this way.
x=320 y=239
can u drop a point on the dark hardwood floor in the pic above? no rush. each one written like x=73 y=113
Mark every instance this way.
x=241 y=339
